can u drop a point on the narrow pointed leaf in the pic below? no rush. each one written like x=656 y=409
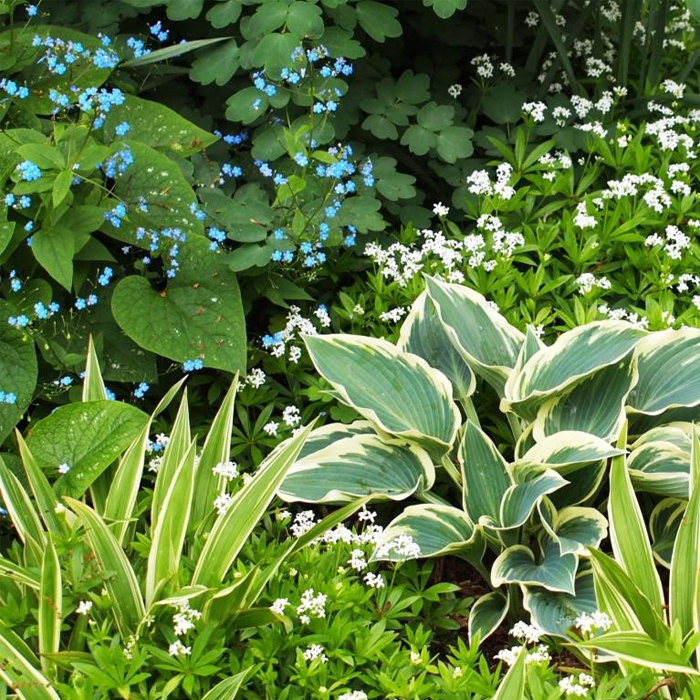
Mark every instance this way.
x=93 y=385
x=22 y=513
x=21 y=674
x=512 y=687
x=50 y=606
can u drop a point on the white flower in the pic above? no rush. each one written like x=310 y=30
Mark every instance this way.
x=536 y=110
x=454 y=90
x=256 y=378
x=532 y=19
x=439 y=209
x=457 y=672
x=403 y=547
x=291 y=416
x=84 y=607
x=415 y=657
x=223 y=502
x=229 y=470
x=303 y=522
x=315 y=651
x=279 y=605
x=60 y=508
x=177 y=648
x=313 y=604
x=528 y=633
x=294 y=353
x=271 y=428
x=63 y=468
x=354 y=695
x=393 y=316
x=357 y=560
x=283 y=515
x=589 y=624
x=576 y=685
x=673 y=88
x=374 y=580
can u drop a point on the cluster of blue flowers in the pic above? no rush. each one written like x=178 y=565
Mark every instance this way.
x=105 y=276
x=192 y=365
x=8 y=397
x=15 y=282
x=141 y=389
x=116 y=214
x=63 y=381
x=118 y=163
x=20 y=321
x=23 y=202
x=166 y=240
x=60 y=55
x=11 y=88
x=29 y=171
x=217 y=237
x=81 y=304
x=43 y=312
x=269 y=341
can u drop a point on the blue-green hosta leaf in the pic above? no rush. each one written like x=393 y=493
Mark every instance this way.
x=434 y=530
x=555 y=611
x=680 y=435
x=18 y=369
x=158 y=126
x=584 y=481
x=663 y=528
x=554 y=571
x=669 y=371
x=596 y=405
x=87 y=437
x=486 y=341
x=570 y=447
x=485 y=474
x=423 y=335
x=330 y=433
x=487 y=613
x=198 y=315
x=573 y=528
x=660 y=468
x=397 y=391
x=361 y=465
x=575 y=355
x=520 y=499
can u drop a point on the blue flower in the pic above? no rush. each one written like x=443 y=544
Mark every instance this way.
x=32 y=10
x=141 y=390
x=105 y=277
x=122 y=128
x=9 y=199
x=192 y=365
x=29 y=171
x=301 y=159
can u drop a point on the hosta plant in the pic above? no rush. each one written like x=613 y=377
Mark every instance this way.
x=106 y=578
x=528 y=499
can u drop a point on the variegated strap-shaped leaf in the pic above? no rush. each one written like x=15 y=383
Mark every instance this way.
x=228 y=688
x=398 y=392
x=521 y=498
x=663 y=528
x=93 y=384
x=485 y=476
x=487 y=613
x=50 y=605
x=575 y=355
x=423 y=335
x=362 y=465
x=330 y=433
x=669 y=371
x=20 y=508
x=570 y=447
x=555 y=611
x=660 y=468
x=554 y=571
x=512 y=686
x=573 y=528
x=486 y=341
x=430 y=530
x=596 y=405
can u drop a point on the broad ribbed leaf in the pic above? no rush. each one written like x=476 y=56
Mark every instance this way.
x=486 y=341
x=641 y=649
x=435 y=529
x=663 y=528
x=399 y=392
x=575 y=355
x=50 y=606
x=554 y=611
x=423 y=335
x=233 y=527
x=596 y=405
x=570 y=447
x=485 y=475
x=669 y=371
x=486 y=614
x=575 y=528
x=660 y=468
x=330 y=433
x=357 y=466
x=583 y=481
x=554 y=572
x=520 y=499
x=19 y=673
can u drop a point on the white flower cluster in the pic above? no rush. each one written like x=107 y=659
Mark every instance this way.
x=526 y=634
x=401 y=547
x=582 y=219
x=479 y=182
x=303 y=522
x=630 y=185
x=586 y=282
x=394 y=315
x=256 y=378
x=536 y=110
x=484 y=66
x=590 y=624
x=354 y=695
x=674 y=242
x=577 y=686
x=623 y=315
x=315 y=651
x=311 y=605
x=229 y=470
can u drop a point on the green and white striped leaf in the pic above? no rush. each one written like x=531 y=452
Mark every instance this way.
x=120 y=580
x=19 y=574
x=330 y=433
x=663 y=528
x=660 y=468
x=169 y=532
x=423 y=335
x=530 y=347
x=228 y=688
x=486 y=614
x=684 y=590
x=596 y=405
x=486 y=341
x=93 y=384
x=554 y=572
x=20 y=508
x=680 y=435
x=512 y=686
x=521 y=498
x=639 y=648
x=583 y=481
x=628 y=534
x=50 y=606
x=570 y=447
x=485 y=476
x=233 y=527
x=400 y=393
x=573 y=528
x=575 y=355
x=19 y=673
x=435 y=529
x=363 y=465
x=555 y=611
x=669 y=371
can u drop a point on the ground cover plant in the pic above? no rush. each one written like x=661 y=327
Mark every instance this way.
x=348 y=349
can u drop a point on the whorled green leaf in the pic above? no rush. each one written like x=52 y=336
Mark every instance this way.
x=669 y=371
x=575 y=355
x=555 y=611
x=87 y=437
x=362 y=465
x=486 y=341
x=433 y=530
x=422 y=334
x=198 y=315
x=487 y=613
x=397 y=391
x=596 y=405
x=553 y=571
x=664 y=522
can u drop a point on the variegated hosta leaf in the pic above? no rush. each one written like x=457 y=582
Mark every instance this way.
x=663 y=528
x=679 y=434
x=596 y=405
x=332 y=432
x=525 y=442
x=529 y=487
x=362 y=465
x=426 y=530
x=555 y=611
x=573 y=528
x=584 y=480
x=553 y=571
x=530 y=347
x=660 y=468
x=487 y=613
x=423 y=335
x=570 y=447
x=485 y=476
x=398 y=392
x=575 y=355
x=486 y=341
x=669 y=371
